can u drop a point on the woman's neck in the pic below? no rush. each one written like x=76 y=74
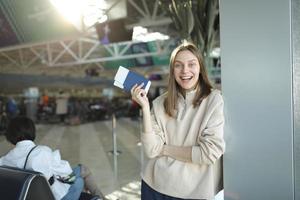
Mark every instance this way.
x=183 y=92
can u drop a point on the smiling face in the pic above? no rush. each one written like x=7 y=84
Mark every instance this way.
x=186 y=70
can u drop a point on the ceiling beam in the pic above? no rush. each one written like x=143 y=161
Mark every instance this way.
x=44 y=52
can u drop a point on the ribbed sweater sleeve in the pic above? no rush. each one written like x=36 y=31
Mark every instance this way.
x=153 y=142
x=180 y=153
x=210 y=143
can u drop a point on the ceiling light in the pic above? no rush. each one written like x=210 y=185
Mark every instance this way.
x=141 y=34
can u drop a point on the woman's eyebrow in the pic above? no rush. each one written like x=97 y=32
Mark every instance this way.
x=192 y=60
x=177 y=61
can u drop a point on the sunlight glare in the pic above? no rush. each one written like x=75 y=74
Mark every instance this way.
x=78 y=11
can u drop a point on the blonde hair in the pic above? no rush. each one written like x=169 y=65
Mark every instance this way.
x=202 y=90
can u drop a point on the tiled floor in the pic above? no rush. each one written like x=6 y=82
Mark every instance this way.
x=91 y=144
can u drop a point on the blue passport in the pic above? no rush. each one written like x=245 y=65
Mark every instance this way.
x=126 y=79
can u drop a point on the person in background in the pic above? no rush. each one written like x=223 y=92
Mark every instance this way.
x=66 y=183
x=11 y=108
x=183 y=132
x=3 y=116
x=62 y=106
x=45 y=99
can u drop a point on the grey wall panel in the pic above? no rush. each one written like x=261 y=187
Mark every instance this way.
x=296 y=90
x=257 y=90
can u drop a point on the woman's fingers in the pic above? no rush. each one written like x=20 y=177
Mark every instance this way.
x=139 y=95
x=136 y=86
x=132 y=89
x=136 y=90
x=142 y=93
x=141 y=85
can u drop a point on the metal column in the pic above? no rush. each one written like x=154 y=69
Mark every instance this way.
x=260 y=84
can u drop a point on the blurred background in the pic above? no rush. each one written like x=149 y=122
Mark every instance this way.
x=58 y=59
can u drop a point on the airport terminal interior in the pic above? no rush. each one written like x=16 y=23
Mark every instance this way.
x=68 y=52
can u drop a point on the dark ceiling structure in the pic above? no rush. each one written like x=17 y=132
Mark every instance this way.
x=35 y=39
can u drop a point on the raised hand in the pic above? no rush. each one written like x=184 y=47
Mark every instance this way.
x=139 y=95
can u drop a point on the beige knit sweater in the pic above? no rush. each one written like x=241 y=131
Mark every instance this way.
x=200 y=128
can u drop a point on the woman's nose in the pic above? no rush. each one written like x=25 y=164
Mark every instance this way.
x=185 y=68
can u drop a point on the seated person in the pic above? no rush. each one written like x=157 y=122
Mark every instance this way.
x=66 y=183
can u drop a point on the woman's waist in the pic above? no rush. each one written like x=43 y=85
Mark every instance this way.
x=168 y=168
x=167 y=175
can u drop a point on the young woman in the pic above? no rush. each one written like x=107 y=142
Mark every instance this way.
x=66 y=183
x=183 y=133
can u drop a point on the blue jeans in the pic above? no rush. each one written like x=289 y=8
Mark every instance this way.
x=150 y=194
x=77 y=187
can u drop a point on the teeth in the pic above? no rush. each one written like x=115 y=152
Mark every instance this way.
x=186 y=77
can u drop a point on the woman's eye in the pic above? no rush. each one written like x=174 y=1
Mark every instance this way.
x=192 y=64
x=177 y=65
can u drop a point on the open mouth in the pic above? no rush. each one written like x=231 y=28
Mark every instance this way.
x=186 y=78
